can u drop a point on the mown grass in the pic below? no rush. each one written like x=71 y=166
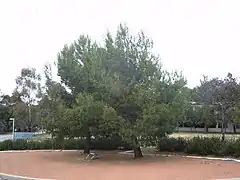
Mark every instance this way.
x=186 y=135
x=41 y=137
x=195 y=134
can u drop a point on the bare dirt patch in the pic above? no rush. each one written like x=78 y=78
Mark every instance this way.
x=71 y=166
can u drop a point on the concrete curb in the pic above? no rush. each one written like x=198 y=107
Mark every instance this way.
x=230 y=179
x=43 y=150
x=193 y=157
x=5 y=176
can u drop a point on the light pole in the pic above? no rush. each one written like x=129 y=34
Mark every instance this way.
x=13 y=127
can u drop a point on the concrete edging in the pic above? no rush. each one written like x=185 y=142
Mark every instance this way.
x=193 y=157
x=15 y=177
x=43 y=150
x=230 y=179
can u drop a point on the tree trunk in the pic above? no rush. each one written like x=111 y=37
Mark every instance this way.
x=222 y=127
x=223 y=131
x=223 y=136
x=136 y=149
x=205 y=128
x=60 y=140
x=234 y=129
x=87 y=143
x=137 y=152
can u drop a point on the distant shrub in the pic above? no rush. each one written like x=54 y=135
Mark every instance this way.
x=197 y=145
x=68 y=144
x=201 y=146
x=204 y=146
x=172 y=144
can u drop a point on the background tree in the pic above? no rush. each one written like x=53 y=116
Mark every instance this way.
x=29 y=90
x=5 y=112
x=54 y=102
x=205 y=96
x=235 y=114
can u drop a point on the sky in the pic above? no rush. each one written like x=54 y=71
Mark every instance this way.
x=197 y=37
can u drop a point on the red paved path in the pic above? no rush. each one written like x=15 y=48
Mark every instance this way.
x=69 y=166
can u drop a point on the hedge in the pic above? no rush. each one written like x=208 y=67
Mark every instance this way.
x=201 y=146
x=67 y=144
x=198 y=145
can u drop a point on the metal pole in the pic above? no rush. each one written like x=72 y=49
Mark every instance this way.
x=13 y=127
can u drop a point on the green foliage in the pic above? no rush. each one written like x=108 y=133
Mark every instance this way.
x=201 y=146
x=231 y=148
x=204 y=146
x=235 y=114
x=6 y=112
x=172 y=144
x=220 y=96
x=68 y=144
x=90 y=117
x=53 y=106
x=115 y=85
x=28 y=89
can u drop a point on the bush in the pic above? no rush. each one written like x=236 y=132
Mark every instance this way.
x=68 y=144
x=231 y=148
x=172 y=144
x=201 y=146
x=204 y=146
x=197 y=145
x=6 y=145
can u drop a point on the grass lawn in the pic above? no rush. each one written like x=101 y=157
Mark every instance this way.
x=175 y=135
x=41 y=137
x=191 y=135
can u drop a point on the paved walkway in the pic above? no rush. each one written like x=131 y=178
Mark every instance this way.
x=55 y=159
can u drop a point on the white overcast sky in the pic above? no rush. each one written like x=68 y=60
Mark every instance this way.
x=196 y=36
